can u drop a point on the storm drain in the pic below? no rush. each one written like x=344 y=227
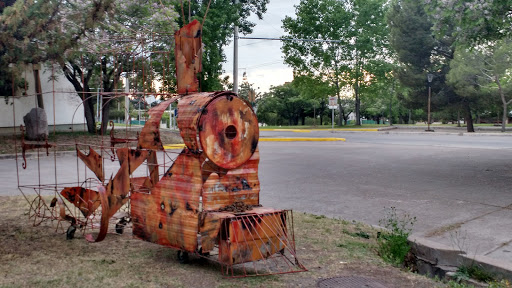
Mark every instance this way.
x=349 y=282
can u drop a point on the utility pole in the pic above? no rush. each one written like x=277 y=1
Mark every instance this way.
x=235 y=57
x=126 y=99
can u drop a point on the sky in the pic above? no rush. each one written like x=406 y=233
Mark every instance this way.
x=262 y=60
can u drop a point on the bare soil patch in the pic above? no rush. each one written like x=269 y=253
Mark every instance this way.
x=41 y=257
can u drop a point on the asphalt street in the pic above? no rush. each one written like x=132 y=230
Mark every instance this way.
x=458 y=187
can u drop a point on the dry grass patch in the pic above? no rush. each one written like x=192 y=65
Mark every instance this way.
x=40 y=257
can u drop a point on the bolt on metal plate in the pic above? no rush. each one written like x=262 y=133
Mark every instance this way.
x=349 y=282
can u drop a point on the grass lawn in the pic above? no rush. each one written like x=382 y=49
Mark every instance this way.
x=42 y=257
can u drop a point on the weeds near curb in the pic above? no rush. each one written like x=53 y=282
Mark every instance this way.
x=474 y=272
x=392 y=245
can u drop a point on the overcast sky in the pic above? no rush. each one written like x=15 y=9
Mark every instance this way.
x=262 y=60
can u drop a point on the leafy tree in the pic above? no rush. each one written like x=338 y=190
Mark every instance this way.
x=114 y=47
x=317 y=92
x=283 y=104
x=419 y=53
x=484 y=70
x=477 y=21
x=32 y=30
x=359 y=31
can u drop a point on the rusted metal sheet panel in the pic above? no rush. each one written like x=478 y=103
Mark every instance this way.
x=228 y=131
x=149 y=137
x=226 y=125
x=188 y=56
x=93 y=161
x=86 y=200
x=237 y=185
x=190 y=110
x=170 y=214
x=210 y=227
x=252 y=237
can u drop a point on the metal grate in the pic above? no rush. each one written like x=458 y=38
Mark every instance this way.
x=349 y=282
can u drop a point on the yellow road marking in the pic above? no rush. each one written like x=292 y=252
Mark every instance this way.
x=174 y=146
x=288 y=130
x=181 y=146
x=309 y=130
x=300 y=139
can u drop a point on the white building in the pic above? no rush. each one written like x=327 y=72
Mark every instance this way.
x=63 y=107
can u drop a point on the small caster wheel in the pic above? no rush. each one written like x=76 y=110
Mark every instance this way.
x=182 y=256
x=119 y=228
x=281 y=251
x=70 y=233
x=120 y=225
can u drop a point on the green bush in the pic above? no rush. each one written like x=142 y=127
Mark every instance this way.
x=392 y=245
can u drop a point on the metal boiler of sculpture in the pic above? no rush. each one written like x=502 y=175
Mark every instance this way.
x=206 y=202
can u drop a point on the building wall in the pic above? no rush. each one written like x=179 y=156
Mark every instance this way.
x=68 y=106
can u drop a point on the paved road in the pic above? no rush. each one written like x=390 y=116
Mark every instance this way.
x=396 y=137
x=458 y=187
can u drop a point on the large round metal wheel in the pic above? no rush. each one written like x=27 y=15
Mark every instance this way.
x=228 y=131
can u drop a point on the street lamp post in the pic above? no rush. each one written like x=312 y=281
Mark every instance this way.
x=430 y=76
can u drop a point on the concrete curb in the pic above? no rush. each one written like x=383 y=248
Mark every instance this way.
x=435 y=259
x=32 y=155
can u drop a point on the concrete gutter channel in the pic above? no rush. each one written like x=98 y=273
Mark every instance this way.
x=431 y=258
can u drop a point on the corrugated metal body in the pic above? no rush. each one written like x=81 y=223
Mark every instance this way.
x=237 y=185
x=170 y=214
x=190 y=109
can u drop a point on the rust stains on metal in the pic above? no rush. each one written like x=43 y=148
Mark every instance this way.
x=170 y=214
x=115 y=194
x=86 y=200
x=228 y=131
x=237 y=185
x=190 y=110
x=258 y=234
x=149 y=137
x=93 y=161
x=188 y=56
x=30 y=146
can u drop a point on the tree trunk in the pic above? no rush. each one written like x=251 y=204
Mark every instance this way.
x=39 y=91
x=505 y=103
x=358 y=105
x=89 y=115
x=105 y=114
x=504 y=119
x=468 y=118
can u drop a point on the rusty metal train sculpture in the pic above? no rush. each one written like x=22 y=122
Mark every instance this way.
x=207 y=202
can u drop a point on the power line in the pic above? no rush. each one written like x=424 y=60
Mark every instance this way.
x=291 y=39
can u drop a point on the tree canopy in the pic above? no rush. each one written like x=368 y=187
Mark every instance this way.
x=353 y=42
